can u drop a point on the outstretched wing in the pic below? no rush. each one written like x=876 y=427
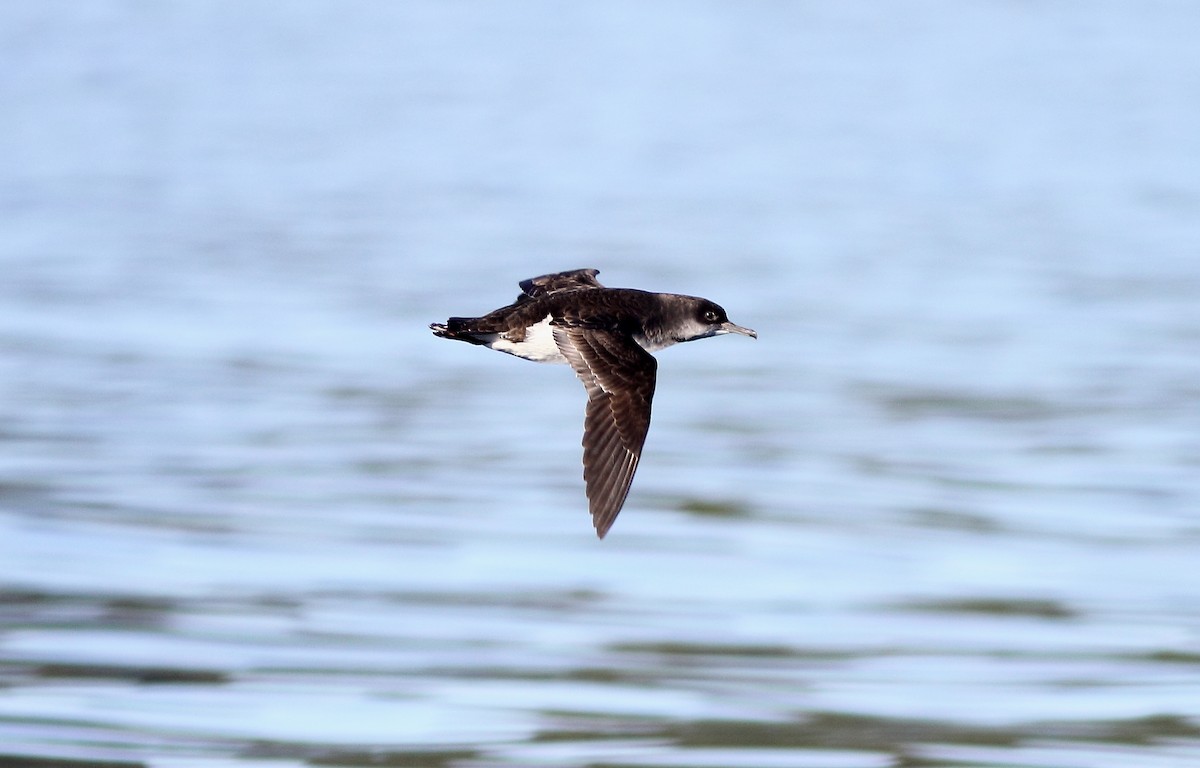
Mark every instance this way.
x=619 y=377
x=543 y=285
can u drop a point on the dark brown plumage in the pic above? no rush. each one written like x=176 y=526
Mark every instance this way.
x=605 y=335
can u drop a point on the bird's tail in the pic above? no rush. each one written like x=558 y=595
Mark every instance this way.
x=456 y=328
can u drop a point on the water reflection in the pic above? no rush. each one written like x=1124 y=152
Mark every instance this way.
x=943 y=513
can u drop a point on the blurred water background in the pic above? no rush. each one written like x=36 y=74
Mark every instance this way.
x=945 y=512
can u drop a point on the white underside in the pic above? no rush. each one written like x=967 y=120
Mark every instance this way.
x=538 y=344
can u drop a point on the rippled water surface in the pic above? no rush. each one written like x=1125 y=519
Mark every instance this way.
x=944 y=512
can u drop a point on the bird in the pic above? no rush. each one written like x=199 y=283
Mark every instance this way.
x=606 y=335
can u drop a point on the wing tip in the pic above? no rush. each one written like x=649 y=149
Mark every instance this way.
x=610 y=500
x=602 y=524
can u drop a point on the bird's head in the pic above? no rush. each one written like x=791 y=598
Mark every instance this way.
x=709 y=319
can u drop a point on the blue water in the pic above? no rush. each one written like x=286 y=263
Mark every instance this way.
x=945 y=511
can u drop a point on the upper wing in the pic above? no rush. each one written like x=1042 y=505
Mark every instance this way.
x=619 y=377
x=536 y=287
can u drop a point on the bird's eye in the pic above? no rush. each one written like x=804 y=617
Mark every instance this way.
x=711 y=316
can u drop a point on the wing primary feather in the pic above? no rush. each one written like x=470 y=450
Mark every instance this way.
x=619 y=378
x=544 y=285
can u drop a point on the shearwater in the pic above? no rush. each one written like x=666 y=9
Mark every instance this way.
x=606 y=335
